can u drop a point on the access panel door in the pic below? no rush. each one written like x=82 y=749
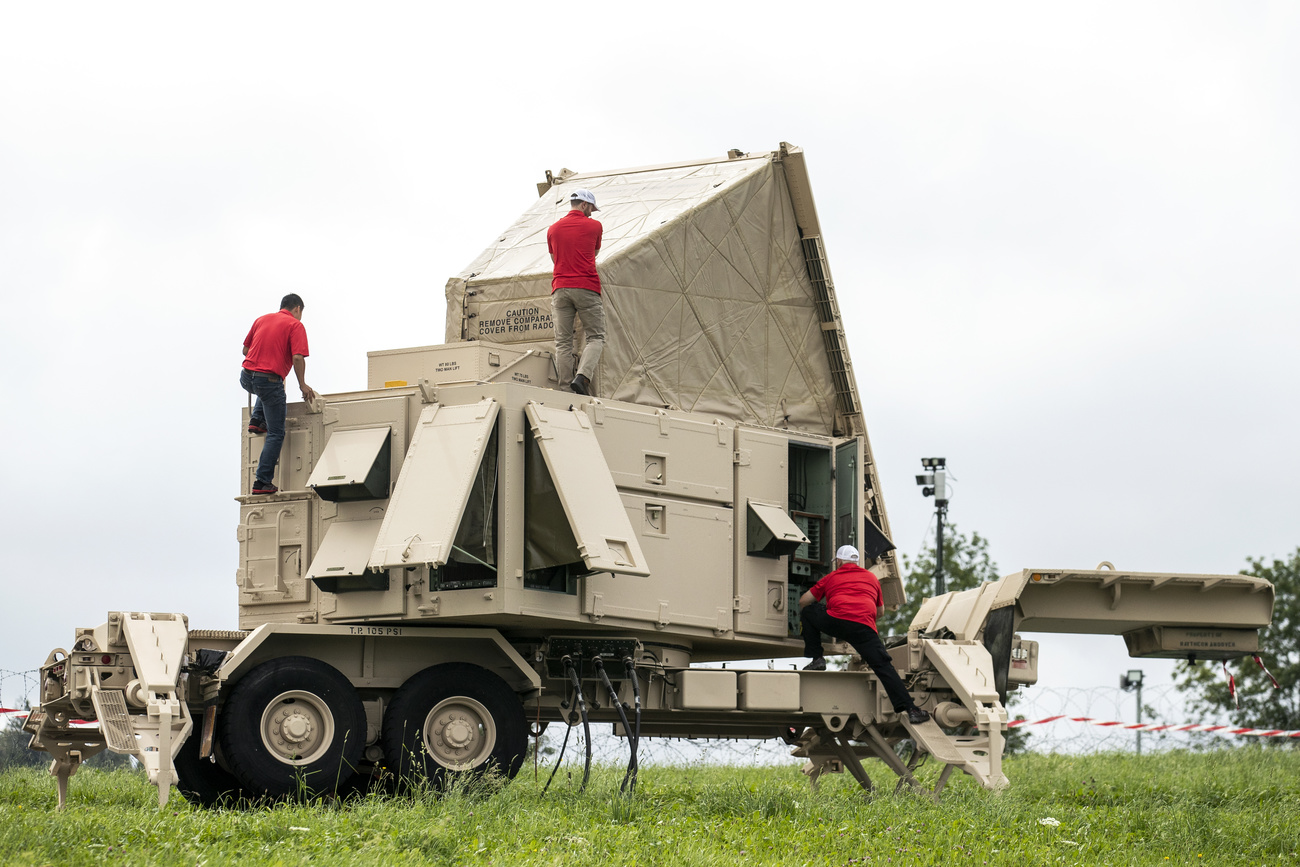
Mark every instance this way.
x=853 y=524
x=762 y=558
x=273 y=546
x=606 y=540
x=688 y=548
x=434 y=485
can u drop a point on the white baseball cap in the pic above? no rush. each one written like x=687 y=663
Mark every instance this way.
x=584 y=196
x=847 y=552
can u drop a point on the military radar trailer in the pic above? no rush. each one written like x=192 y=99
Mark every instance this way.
x=466 y=551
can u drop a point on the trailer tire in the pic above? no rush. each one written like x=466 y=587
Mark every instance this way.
x=454 y=717
x=205 y=783
x=293 y=725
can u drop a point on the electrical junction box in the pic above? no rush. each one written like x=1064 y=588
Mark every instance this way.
x=769 y=690
x=707 y=689
x=1024 y=662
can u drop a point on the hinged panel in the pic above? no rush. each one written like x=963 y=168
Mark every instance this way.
x=761 y=476
x=577 y=465
x=273 y=545
x=297 y=454
x=664 y=454
x=690 y=558
x=434 y=485
x=773 y=533
x=390 y=411
x=344 y=553
x=354 y=465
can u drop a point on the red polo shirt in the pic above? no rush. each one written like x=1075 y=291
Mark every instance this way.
x=273 y=341
x=574 y=241
x=851 y=593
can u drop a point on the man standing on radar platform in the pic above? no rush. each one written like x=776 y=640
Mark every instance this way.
x=574 y=241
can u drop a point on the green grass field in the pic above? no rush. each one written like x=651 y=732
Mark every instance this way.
x=1229 y=807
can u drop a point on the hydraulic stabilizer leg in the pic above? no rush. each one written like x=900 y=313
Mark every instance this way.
x=828 y=753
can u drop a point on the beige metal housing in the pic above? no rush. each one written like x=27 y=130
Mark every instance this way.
x=512 y=502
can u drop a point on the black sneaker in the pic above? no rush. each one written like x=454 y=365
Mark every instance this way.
x=267 y=488
x=916 y=716
x=580 y=385
x=818 y=664
x=256 y=427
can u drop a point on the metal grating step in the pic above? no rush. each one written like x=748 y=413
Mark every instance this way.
x=218 y=634
x=115 y=720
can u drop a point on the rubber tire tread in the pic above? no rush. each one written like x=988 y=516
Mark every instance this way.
x=241 y=718
x=203 y=783
x=403 y=740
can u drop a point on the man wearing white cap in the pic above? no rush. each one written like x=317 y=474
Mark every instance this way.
x=574 y=241
x=853 y=601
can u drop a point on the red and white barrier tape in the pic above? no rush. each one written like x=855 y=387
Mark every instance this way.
x=7 y=712
x=1162 y=727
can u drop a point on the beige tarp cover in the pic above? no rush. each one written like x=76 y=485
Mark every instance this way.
x=708 y=301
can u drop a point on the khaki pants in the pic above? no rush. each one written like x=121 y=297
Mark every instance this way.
x=585 y=304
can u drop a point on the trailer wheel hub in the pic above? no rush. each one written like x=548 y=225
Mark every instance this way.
x=459 y=733
x=297 y=727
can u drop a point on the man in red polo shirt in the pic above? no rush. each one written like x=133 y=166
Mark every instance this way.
x=574 y=241
x=275 y=343
x=853 y=602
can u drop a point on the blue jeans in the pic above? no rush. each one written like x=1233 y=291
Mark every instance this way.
x=268 y=410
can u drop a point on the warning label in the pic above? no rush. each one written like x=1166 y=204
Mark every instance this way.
x=524 y=322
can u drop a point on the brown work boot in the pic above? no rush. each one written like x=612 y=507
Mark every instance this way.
x=580 y=385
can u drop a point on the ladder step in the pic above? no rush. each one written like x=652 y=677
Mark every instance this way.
x=934 y=741
x=115 y=721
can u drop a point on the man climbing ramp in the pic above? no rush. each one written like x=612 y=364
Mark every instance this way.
x=853 y=601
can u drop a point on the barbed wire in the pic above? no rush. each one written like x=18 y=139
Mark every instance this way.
x=1160 y=704
x=19 y=687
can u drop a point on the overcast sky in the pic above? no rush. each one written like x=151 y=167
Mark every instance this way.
x=1059 y=239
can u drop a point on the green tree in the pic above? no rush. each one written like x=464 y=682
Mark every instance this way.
x=966 y=564
x=13 y=747
x=1262 y=706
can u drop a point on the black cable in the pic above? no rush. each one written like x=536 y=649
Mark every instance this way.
x=618 y=706
x=586 y=726
x=634 y=765
x=567 y=729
